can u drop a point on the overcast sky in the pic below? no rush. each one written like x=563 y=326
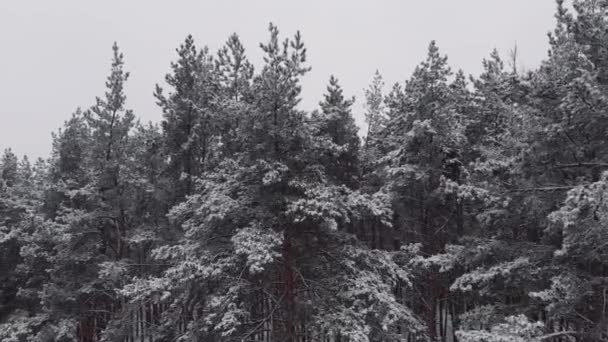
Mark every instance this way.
x=56 y=54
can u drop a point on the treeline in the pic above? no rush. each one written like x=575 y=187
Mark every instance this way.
x=474 y=209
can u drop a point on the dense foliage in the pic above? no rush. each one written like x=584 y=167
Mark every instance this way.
x=473 y=209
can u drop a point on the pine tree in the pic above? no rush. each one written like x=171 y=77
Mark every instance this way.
x=235 y=73
x=336 y=128
x=9 y=168
x=188 y=126
x=422 y=167
x=374 y=101
x=474 y=211
x=89 y=200
x=23 y=268
x=266 y=235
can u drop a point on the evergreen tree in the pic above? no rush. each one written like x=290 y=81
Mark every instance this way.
x=9 y=168
x=337 y=131
x=374 y=100
x=234 y=70
x=475 y=210
x=187 y=124
x=266 y=234
x=236 y=96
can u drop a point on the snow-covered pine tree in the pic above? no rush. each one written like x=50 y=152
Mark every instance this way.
x=266 y=253
x=336 y=134
x=188 y=126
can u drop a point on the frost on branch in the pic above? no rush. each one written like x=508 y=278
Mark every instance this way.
x=514 y=329
x=565 y=292
x=334 y=205
x=363 y=299
x=483 y=278
x=445 y=261
x=582 y=220
x=259 y=246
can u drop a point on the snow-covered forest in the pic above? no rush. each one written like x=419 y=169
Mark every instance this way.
x=474 y=209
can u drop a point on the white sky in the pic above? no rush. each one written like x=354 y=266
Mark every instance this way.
x=56 y=54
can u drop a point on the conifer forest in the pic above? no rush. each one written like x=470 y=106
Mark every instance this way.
x=469 y=208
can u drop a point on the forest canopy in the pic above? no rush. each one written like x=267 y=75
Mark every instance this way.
x=474 y=208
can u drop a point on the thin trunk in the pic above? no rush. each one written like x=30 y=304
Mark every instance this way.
x=290 y=291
